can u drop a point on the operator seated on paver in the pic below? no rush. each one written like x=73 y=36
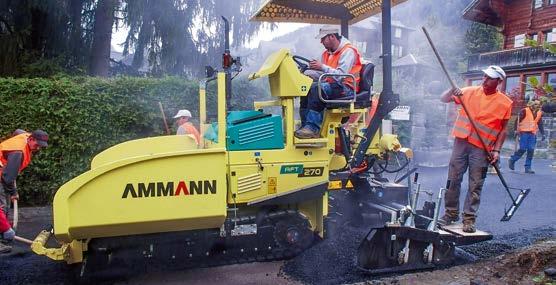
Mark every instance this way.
x=15 y=155
x=339 y=57
x=490 y=110
x=185 y=127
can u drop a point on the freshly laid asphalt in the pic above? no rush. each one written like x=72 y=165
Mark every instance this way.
x=536 y=218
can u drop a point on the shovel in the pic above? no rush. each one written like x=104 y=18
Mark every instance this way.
x=516 y=201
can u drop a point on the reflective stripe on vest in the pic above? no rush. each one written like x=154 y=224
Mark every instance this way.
x=488 y=113
x=333 y=59
x=530 y=124
x=463 y=129
x=16 y=143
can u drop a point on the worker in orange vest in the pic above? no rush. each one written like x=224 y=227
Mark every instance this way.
x=528 y=122
x=339 y=57
x=15 y=155
x=490 y=110
x=185 y=127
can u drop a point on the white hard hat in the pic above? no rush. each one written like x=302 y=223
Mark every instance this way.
x=495 y=71
x=183 y=113
x=327 y=30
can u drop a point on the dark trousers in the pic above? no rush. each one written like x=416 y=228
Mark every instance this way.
x=464 y=156
x=312 y=100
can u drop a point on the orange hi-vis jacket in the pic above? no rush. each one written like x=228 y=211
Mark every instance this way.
x=16 y=143
x=191 y=130
x=487 y=111
x=530 y=124
x=333 y=59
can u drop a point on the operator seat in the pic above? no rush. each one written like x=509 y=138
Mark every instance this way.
x=363 y=98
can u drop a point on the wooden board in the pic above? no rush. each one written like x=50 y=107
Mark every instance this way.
x=458 y=230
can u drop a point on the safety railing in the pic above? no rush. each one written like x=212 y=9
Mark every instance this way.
x=511 y=58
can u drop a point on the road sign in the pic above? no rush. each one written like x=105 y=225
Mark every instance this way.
x=400 y=113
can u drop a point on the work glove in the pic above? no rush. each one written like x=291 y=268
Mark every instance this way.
x=8 y=235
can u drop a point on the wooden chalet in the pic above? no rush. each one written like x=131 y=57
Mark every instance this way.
x=517 y=20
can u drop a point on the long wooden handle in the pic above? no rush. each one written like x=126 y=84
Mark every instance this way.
x=16 y=214
x=164 y=118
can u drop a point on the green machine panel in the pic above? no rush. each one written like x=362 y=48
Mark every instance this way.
x=251 y=130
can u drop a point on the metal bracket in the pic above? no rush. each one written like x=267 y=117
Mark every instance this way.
x=243 y=230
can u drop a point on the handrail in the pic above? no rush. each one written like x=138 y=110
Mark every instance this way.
x=341 y=75
x=511 y=58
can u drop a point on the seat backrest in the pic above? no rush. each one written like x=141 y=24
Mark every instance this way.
x=367 y=73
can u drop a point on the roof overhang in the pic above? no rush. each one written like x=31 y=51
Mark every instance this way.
x=319 y=11
x=481 y=11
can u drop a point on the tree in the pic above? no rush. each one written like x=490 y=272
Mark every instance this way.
x=182 y=36
x=481 y=38
x=38 y=37
x=44 y=37
x=102 y=36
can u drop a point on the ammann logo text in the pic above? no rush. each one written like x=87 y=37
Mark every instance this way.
x=158 y=189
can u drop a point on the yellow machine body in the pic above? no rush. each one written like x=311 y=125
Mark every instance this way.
x=169 y=184
x=154 y=192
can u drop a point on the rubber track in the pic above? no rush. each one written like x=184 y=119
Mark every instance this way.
x=264 y=239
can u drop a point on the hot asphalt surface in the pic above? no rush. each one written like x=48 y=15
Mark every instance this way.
x=330 y=261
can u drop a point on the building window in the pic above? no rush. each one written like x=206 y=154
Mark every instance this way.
x=397 y=51
x=519 y=41
x=550 y=35
x=361 y=46
x=529 y=91
x=537 y=3
x=398 y=33
x=551 y=2
x=551 y=80
x=476 y=82
x=513 y=87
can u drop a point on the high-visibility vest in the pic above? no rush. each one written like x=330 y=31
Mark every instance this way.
x=530 y=124
x=333 y=59
x=191 y=130
x=16 y=143
x=487 y=112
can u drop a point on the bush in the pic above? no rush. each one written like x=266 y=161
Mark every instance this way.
x=84 y=116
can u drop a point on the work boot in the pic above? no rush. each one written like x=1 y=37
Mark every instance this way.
x=511 y=164
x=5 y=248
x=469 y=226
x=448 y=219
x=306 y=133
x=530 y=171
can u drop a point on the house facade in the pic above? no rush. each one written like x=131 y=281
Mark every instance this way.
x=517 y=20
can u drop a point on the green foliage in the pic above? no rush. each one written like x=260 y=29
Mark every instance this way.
x=548 y=46
x=158 y=28
x=533 y=81
x=481 y=38
x=54 y=35
x=84 y=116
x=543 y=91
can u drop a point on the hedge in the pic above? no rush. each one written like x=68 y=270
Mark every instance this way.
x=85 y=115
